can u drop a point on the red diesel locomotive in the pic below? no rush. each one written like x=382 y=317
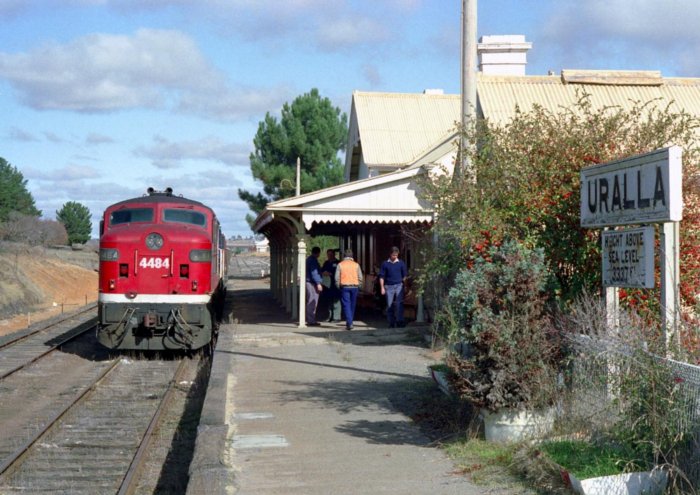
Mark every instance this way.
x=162 y=273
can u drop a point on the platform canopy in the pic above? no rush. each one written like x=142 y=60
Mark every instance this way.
x=388 y=198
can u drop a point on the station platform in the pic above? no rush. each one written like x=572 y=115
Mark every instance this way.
x=315 y=410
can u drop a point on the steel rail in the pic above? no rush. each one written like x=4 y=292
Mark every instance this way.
x=132 y=476
x=89 y=326
x=19 y=338
x=15 y=458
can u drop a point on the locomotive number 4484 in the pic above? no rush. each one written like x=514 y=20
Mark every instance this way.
x=154 y=262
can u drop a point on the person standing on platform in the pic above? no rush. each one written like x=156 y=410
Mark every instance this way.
x=332 y=294
x=313 y=286
x=392 y=276
x=348 y=276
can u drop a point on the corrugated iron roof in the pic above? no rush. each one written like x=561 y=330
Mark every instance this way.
x=398 y=128
x=499 y=95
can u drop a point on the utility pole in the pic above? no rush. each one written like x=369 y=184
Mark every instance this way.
x=468 y=76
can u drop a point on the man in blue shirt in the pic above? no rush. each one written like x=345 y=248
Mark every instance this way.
x=392 y=276
x=313 y=286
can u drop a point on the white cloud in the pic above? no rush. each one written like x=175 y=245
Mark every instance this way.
x=232 y=104
x=103 y=72
x=53 y=137
x=93 y=139
x=69 y=173
x=349 y=32
x=646 y=34
x=166 y=154
x=17 y=134
x=12 y=8
x=330 y=26
x=151 y=69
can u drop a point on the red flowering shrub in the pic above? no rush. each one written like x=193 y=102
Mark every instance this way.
x=527 y=187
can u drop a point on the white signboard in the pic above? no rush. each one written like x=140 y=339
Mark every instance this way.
x=628 y=257
x=641 y=189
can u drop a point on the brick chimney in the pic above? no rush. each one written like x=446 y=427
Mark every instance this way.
x=503 y=54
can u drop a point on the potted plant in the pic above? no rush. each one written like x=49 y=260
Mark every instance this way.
x=498 y=306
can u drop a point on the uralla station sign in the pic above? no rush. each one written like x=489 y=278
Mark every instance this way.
x=637 y=190
x=646 y=191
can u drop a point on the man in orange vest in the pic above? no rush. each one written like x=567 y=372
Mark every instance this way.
x=348 y=276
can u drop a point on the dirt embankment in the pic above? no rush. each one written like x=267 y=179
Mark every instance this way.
x=38 y=283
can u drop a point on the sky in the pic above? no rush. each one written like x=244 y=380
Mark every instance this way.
x=101 y=99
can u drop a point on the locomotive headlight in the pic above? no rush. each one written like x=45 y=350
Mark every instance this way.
x=154 y=241
x=200 y=255
x=109 y=254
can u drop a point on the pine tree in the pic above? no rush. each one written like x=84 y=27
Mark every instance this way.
x=311 y=129
x=76 y=218
x=14 y=195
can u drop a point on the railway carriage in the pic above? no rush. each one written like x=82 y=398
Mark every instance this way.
x=162 y=273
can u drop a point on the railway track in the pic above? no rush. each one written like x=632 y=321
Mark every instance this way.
x=99 y=441
x=24 y=348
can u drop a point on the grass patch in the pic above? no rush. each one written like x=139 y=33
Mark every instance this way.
x=584 y=459
x=480 y=450
x=488 y=464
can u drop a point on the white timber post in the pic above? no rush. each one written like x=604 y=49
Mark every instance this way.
x=301 y=280
x=289 y=282
x=669 y=240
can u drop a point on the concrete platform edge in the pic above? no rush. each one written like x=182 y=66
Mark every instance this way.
x=210 y=471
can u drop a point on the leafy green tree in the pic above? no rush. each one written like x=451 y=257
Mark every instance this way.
x=76 y=218
x=311 y=129
x=14 y=195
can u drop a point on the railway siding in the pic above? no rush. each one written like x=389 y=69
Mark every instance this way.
x=91 y=448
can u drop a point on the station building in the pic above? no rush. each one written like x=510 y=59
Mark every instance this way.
x=394 y=138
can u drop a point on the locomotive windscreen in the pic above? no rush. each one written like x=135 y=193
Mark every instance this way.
x=185 y=216
x=131 y=215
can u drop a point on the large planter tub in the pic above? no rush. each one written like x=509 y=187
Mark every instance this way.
x=647 y=483
x=508 y=426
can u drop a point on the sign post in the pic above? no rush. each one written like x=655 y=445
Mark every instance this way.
x=642 y=189
x=669 y=261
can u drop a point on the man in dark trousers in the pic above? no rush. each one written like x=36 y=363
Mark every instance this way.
x=313 y=286
x=392 y=276
x=348 y=276
x=333 y=293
